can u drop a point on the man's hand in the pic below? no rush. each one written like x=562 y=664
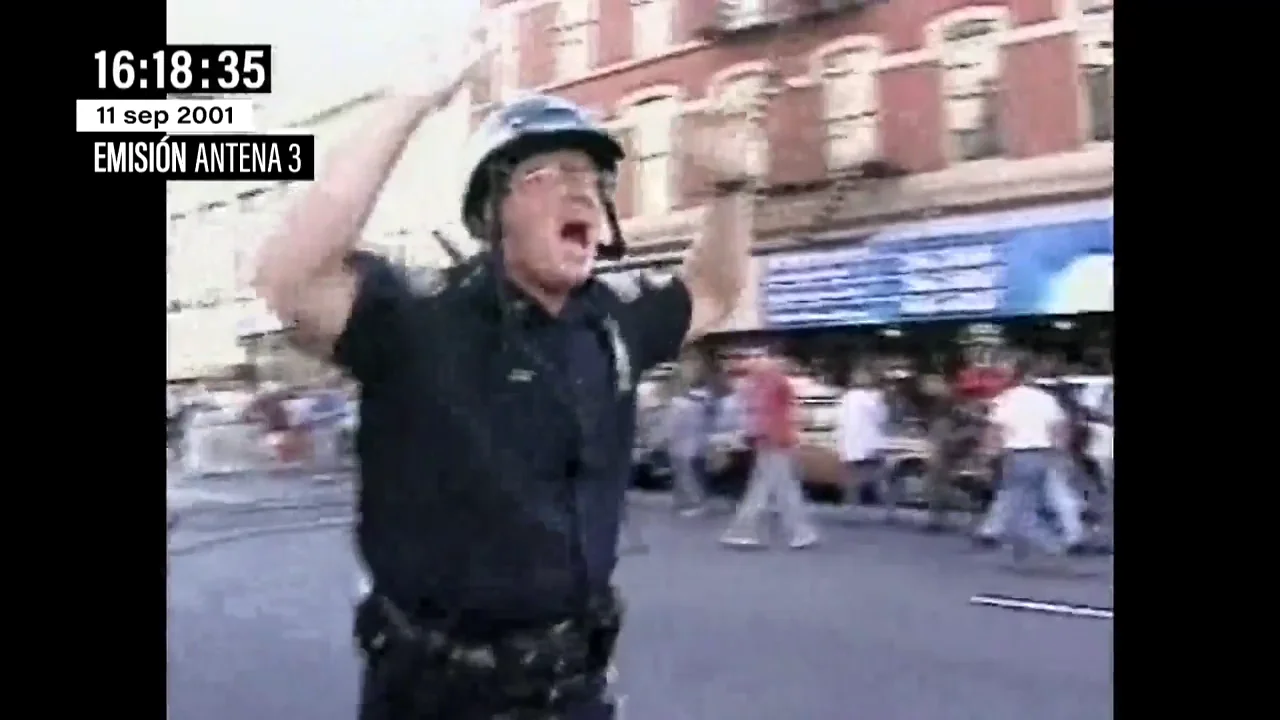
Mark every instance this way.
x=715 y=270
x=448 y=75
x=439 y=66
x=303 y=272
x=723 y=147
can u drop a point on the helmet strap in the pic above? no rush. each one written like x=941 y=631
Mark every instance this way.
x=499 y=186
x=616 y=249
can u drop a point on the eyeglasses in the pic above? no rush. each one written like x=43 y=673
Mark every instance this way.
x=565 y=175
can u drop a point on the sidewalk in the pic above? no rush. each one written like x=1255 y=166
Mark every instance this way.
x=956 y=522
x=831 y=512
x=186 y=491
x=182 y=497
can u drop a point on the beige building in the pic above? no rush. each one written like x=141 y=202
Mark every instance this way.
x=215 y=230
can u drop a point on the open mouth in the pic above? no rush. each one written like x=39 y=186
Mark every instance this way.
x=575 y=232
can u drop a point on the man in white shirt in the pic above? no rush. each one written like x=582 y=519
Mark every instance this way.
x=860 y=436
x=1030 y=428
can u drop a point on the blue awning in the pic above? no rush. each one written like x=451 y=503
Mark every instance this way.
x=1045 y=261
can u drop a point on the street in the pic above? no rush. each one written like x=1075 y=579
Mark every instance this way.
x=874 y=623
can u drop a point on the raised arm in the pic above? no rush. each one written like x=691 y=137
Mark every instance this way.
x=304 y=272
x=669 y=314
x=715 y=269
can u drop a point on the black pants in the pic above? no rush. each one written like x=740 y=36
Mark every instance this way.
x=377 y=703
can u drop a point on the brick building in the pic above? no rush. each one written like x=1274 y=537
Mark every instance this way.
x=872 y=112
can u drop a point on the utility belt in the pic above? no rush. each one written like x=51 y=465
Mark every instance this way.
x=428 y=669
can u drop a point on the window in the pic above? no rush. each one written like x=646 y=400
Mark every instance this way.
x=170 y=250
x=216 y=272
x=738 y=14
x=744 y=97
x=188 y=268
x=1097 y=68
x=654 y=125
x=651 y=25
x=850 y=103
x=575 y=23
x=258 y=214
x=971 y=87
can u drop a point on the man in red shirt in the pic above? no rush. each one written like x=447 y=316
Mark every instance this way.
x=985 y=376
x=269 y=409
x=982 y=383
x=771 y=417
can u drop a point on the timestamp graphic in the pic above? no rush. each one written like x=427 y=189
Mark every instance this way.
x=230 y=69
x=206 y=134
x=209 y=157
x=232 y=115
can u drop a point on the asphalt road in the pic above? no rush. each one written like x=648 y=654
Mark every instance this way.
x=874 y=623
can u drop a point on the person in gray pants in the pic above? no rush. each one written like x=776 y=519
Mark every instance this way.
x=775 y=480
x=686 y=435
x=1026 y=477
x=774 y=483
x=1030 y=428
x=1058 y=497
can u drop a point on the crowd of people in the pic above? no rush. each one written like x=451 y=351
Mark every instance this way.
x=229 y=427
x=738 y=425
x=734 y=424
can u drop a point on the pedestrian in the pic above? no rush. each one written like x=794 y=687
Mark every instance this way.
x=197 y=456
x=1103 y=452
x=324 y=417
x=1030 y=429
x=649 y=459
x=269 y=409
x=1062 y=503
x=175 y=425
x=687 y=433
x=775 y=479
x=954 y=436
x=497 y=402
x=860 y=426
x=726 y=462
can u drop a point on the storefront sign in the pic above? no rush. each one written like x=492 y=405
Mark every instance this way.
x=1013 y=264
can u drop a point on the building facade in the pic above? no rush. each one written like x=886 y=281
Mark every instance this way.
x=871 y=114
x=215 y=230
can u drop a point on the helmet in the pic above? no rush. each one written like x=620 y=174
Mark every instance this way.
x=530 y=125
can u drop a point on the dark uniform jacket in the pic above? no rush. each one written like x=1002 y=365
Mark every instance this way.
x=495 y=453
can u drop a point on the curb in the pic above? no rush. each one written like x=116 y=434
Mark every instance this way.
x=825 y=511
x=232 y=536
x=862 y=515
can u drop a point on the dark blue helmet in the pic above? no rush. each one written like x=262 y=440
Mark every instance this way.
x=525 y=127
